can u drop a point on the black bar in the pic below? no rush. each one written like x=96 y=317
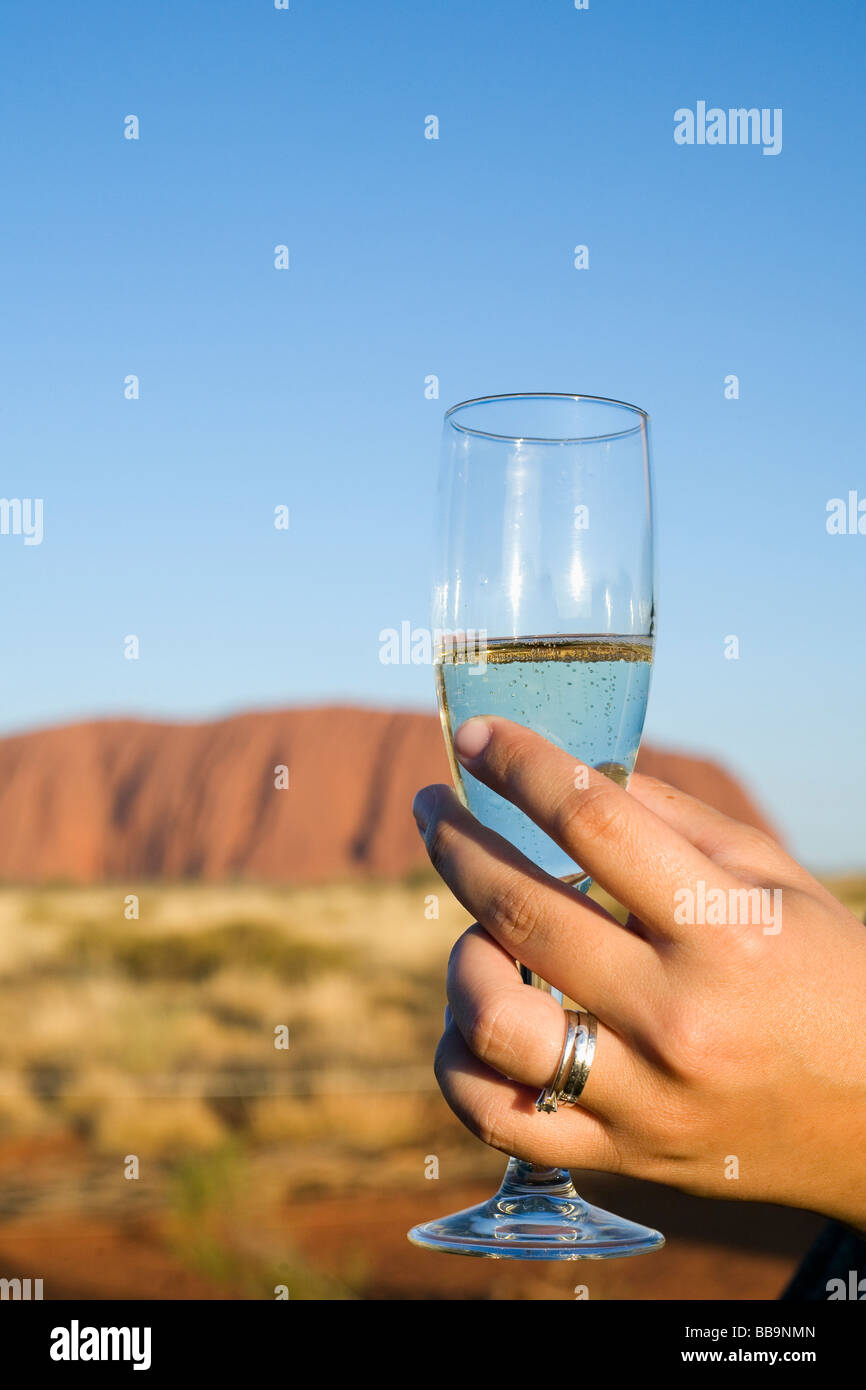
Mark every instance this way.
x=226 y=1338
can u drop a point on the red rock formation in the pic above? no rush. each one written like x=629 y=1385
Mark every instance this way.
x=127 y=799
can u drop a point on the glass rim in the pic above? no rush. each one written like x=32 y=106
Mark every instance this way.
x=547 y=396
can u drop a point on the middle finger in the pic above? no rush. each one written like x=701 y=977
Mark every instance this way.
x=549 y=927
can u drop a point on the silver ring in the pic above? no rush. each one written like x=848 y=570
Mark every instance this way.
x=577 y=1055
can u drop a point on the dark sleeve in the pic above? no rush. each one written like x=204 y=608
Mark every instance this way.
x=838 y=1253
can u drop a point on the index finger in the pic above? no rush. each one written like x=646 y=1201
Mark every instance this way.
x=638 y=857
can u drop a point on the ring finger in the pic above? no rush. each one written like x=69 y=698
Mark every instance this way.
x=520 y=1031
x=502 y=1113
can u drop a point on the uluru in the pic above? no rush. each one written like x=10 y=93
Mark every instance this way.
x=297 y=795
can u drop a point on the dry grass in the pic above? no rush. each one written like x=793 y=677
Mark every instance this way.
x=188 y=997
x=155 y=1038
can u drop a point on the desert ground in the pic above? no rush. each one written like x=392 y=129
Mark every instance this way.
x=159 y=1139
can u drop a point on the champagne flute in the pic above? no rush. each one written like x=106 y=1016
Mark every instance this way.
x=543 y=613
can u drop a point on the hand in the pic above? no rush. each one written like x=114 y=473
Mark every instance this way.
x=730 y=1059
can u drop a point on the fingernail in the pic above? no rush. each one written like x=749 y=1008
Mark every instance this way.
x=472 y=738
x=422 y=807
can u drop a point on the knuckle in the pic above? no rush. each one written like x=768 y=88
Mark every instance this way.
x=747 y=948
x=489 y=1030
x=593 y=814
x=514 y=910
x=692 y=1042
x=758 y=842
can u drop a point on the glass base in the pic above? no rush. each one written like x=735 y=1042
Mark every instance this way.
x=536 y=1215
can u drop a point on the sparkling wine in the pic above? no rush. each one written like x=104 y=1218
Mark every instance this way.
x=586 y=694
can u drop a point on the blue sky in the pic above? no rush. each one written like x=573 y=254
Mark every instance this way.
x=410 y=257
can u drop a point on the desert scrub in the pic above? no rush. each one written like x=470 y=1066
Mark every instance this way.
x=194 y=956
